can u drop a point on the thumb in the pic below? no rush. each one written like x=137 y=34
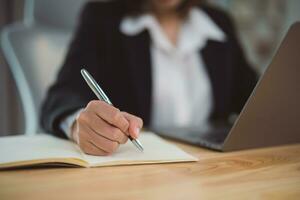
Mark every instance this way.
x=135 y=124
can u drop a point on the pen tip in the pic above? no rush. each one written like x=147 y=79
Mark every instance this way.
x=141 y=149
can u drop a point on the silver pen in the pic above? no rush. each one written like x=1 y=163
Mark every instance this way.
x=102 y=96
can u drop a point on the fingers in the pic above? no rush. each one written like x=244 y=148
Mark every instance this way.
x=90 y=148
x=94 y=144
x=135 y=124
x=109 y=113
x=102 y=142
x=101 y=127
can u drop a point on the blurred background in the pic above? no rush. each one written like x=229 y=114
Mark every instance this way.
x=35 y=35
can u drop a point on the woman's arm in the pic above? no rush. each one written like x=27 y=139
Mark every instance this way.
x=98 y=128
x=69 y=92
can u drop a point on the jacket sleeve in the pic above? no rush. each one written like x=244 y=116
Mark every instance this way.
x=70 y=92
x=245 y=77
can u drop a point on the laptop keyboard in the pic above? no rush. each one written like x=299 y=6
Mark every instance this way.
x=212 y=138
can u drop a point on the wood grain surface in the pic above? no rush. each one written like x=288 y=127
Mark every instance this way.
x=270 y=173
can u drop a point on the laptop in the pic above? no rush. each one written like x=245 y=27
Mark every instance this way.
x=270 y=117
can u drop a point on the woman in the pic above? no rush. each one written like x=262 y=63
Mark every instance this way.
x=164 y=62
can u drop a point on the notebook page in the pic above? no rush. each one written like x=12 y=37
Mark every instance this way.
x=156 y=150
x=37 y=147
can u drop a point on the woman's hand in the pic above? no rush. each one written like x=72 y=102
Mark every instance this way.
x=100 y=128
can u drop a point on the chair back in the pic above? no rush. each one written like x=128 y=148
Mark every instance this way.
x=35 y=49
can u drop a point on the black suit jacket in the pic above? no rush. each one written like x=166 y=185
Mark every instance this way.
x=122 y=66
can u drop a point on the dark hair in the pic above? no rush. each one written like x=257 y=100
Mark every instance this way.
x=137 y=7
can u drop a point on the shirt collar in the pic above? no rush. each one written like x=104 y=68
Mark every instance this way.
x=196 y=30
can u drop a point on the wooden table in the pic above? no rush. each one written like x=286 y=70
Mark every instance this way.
x=270 y=173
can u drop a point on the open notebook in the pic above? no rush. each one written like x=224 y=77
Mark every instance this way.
x=18 y=151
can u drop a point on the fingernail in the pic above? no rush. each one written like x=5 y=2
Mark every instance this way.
x=136 y=132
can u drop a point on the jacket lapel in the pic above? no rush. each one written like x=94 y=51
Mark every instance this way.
x=138 y=55
x=219 y=67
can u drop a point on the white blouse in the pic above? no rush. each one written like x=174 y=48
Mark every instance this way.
x=182 y=93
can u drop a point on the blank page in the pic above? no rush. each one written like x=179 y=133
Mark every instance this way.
x=156 y=150
x=17 y=149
